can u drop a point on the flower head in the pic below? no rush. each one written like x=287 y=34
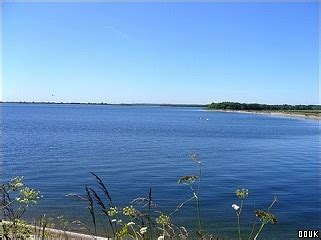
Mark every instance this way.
x=187 y=179
x=236 y=207
x=143 y=230
x=129 y=211
x=112 y=211
x=195 y=158
x=163 y=220
x=122 y=232
x=16 y=182
x=266 y=217
x=242 y=193
x=28 y=195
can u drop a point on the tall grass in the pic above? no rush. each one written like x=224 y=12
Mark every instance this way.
x=140 y=219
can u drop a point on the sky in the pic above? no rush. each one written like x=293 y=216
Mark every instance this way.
x=144 y=52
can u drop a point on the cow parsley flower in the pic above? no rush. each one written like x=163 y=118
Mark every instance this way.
x=235 y=207
x=143 y=230
x=129 y=211
x=242 y=193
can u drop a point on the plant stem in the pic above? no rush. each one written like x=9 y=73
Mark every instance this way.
x=164 y=230
x=238 y=226
x=181 y=205
x=7 y=205
x=197 y=209
x=197 y=199
x=136 y=237
x=199 y=216
x=262 y=225
x=274 y=200
x=252 y=229
x=238 y=220
x=149 y=213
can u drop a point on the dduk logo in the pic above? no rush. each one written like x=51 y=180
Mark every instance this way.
x=308 y=234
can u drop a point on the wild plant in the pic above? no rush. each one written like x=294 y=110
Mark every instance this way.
x=265 y=217
x=189 y=181
x=43 y=227
x=141 y=219
x=15 y=199
x=40 y=227
x=242 y=195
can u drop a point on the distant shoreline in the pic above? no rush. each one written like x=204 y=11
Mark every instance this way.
x=112 y=104
x=316 y=115
x=302 y=114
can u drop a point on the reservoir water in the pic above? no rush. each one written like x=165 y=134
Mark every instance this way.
x=132 y=148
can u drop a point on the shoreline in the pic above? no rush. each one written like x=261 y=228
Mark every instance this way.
x=111 y=104
x=272 y=113
x=305 y=114
x=57 y=233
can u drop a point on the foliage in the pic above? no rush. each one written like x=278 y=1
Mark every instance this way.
x=140 y=219
x=189 y=180
x=264 y=216
x=15 y=199
x=260 y=107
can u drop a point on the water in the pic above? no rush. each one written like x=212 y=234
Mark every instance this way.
x=132 y=148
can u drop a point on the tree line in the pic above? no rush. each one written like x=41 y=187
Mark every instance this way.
x=257 y=106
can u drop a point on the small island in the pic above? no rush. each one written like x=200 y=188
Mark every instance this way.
x=309 y=111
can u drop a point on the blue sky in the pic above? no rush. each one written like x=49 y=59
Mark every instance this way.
x=161 y=52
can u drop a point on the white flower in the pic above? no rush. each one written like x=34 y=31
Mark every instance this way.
x=235 y=207
x=130 y=223
x=161 y=238
x=114 y=220
x=119 y=221
x=143 y=230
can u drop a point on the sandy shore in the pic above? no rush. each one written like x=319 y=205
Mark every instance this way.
x=60 y=234
x=312 y=115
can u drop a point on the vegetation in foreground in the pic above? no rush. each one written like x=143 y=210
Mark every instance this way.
x=141 y=219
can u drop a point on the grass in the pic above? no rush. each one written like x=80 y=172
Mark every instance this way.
x=141 y=219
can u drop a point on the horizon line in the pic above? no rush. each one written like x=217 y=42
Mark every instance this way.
x=152 y=104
